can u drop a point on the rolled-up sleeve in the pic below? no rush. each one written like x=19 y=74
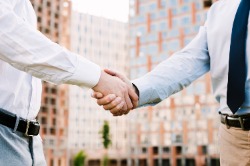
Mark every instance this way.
x=175 y=73
x=28 y=50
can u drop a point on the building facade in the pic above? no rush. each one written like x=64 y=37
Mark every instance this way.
x=105 y=42
x=53 y=21
x=182 y=130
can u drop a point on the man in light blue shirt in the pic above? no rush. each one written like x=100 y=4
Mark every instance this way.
x=222 y=47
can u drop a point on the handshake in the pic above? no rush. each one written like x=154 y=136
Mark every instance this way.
x=115 y=93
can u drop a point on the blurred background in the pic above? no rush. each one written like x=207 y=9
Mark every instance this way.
x=131 y=36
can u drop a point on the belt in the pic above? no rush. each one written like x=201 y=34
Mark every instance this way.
x=28 y=128
x=239 y=121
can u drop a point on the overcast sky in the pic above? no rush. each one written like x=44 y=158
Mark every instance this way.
x=114 y=9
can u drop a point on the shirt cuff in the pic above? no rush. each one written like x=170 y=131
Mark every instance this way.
x=87 y=73
x=145 y=92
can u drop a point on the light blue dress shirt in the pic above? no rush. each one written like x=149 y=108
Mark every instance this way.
x=208 y=51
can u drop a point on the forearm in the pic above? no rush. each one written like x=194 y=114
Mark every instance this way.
x=175 y=73
x=168 y=78
x=26 y=49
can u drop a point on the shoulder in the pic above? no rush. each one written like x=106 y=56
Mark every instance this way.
x=217 y=7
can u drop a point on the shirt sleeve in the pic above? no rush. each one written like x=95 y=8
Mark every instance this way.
x=28 y=50
x=175 y=73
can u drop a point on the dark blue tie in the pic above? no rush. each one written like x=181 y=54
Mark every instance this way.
x=237 y=56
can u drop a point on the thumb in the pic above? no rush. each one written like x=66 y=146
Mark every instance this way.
x=110 y=72
x=116 y=74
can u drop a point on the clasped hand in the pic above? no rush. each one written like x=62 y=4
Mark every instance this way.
x=115 y=93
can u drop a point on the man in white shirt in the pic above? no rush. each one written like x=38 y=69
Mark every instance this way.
x=26 y=56
x=223 y=47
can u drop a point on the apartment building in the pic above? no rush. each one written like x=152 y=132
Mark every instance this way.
x=105 y=42
x=53 y=21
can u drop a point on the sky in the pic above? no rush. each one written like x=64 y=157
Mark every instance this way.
x=113 y=9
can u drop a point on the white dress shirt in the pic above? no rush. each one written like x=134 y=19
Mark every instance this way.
x=25 y=52
x=209 y=50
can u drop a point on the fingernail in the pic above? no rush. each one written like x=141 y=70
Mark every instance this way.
x=119 y=98
x=112 y=97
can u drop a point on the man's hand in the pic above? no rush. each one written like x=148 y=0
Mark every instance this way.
x=117 y=94
x=113 y=103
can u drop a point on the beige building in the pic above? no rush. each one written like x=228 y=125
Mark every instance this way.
x=104 y=42
x=53 y=21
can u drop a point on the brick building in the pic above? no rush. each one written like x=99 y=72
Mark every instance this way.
x=181 y=130
x=53 y=20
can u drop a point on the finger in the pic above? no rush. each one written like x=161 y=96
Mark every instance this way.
x=106 y=99
x=128 y=102
x=124 y=108
x=126 y=112
x=97 y=95
x=118 y=108
x=133 y=96
x=118 y=114
x=113 y=104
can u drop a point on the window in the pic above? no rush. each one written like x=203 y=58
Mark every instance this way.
x=155 y=150
x=56 y=15
x=44 y=120
x=39 y=9
x=144 y=150
x=39 y=19
x=178 y=149
x=53 y=101
x=52 y=131
x=166 y=150
x=53 y=90
x=44 y=109
x=47 y=30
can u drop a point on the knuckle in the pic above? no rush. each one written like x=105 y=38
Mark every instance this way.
x=107 y=100
x=114 y=111
x=105 y=107
x=125 y=113
x=114 y=103
x=123 y=90
x=124 y=87
x=118 y=107
x=98 y=102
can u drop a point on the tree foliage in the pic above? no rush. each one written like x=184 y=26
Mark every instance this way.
x=80 y=158
x=105 y=160
x=106 y=141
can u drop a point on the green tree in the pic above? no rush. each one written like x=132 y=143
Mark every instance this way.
x=79 y=159
x=106 y=141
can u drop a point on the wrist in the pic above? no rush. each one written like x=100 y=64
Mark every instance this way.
x=101 y=79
